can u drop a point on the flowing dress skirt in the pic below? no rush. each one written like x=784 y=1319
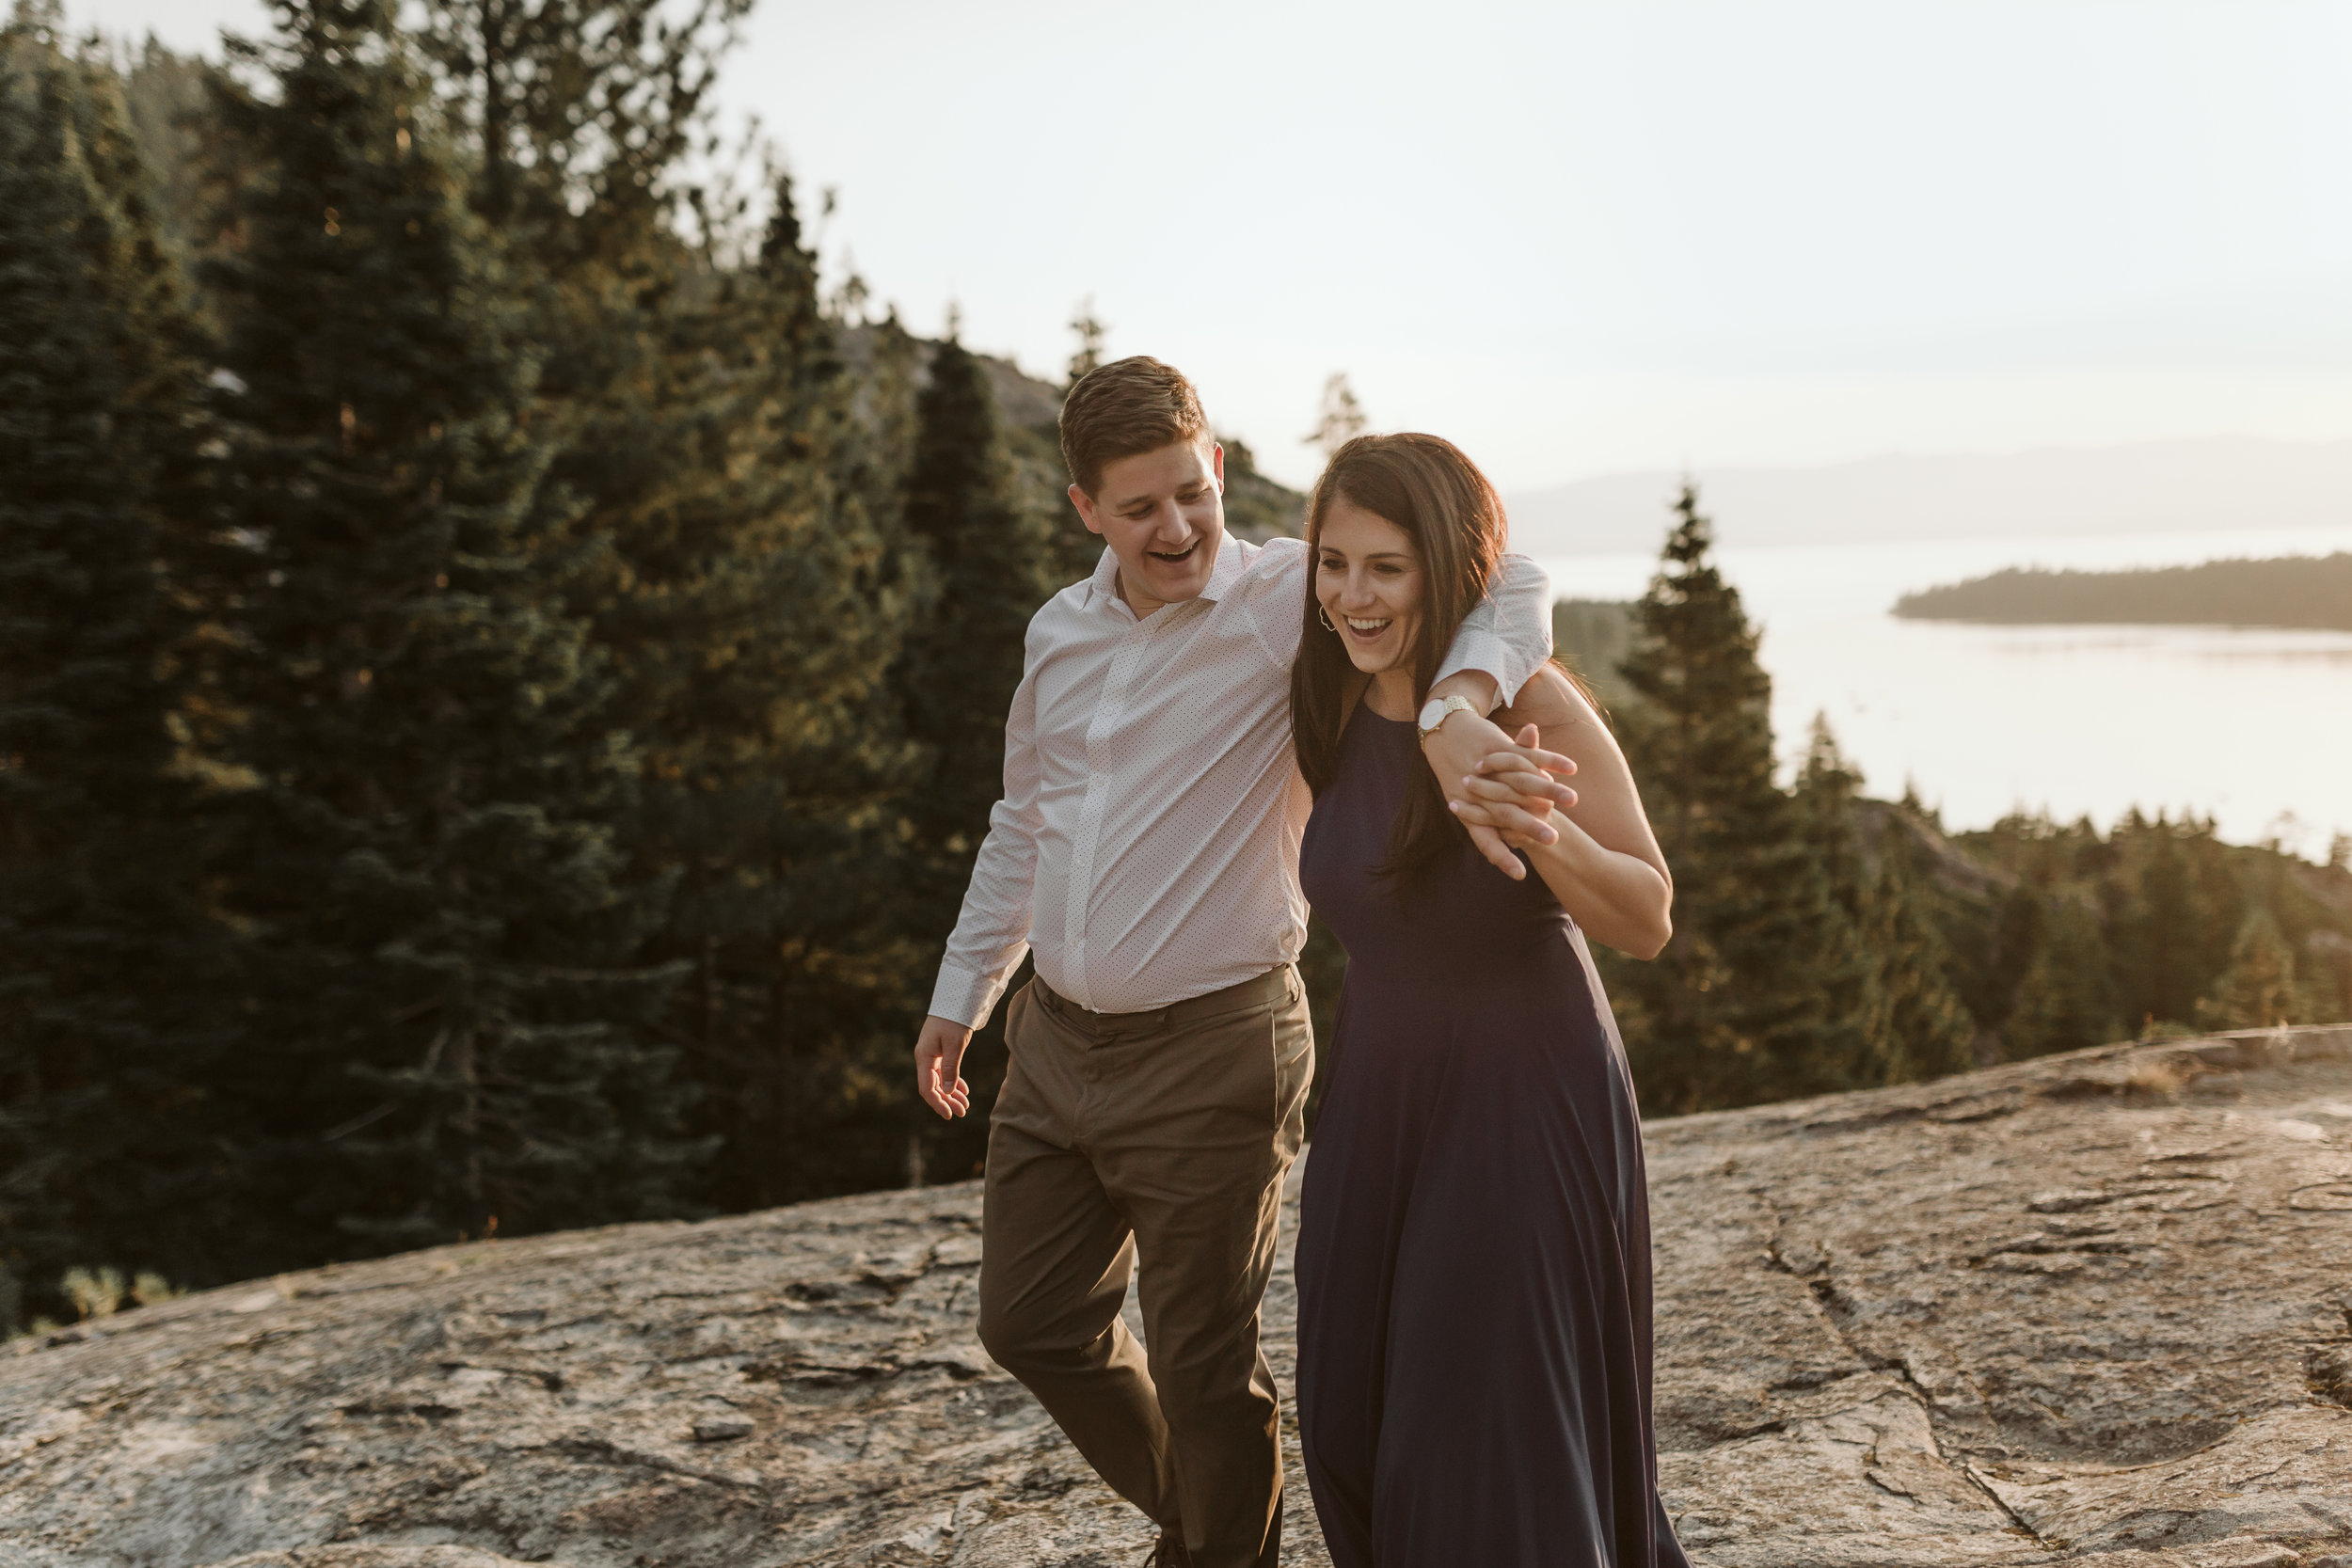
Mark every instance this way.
x=1473 y=1254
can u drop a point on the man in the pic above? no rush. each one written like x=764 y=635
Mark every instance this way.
x=1147 y=848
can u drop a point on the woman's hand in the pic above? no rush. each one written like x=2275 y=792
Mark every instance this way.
x=1496 y=784
x=1514 y=791
x=1514 y=800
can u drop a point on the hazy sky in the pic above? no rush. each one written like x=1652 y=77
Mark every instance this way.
x=1579 y=238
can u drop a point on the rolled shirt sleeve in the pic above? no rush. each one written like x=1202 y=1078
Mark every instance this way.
x=1508 y=635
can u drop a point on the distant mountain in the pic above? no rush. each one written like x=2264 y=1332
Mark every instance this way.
x=2299 y=590
x=2162 y=486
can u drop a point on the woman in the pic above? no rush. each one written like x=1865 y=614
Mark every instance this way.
x=1473 y=1252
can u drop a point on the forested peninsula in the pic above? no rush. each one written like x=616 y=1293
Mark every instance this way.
x=2299 y=592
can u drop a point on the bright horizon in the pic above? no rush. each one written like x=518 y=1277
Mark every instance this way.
x=1604 y=238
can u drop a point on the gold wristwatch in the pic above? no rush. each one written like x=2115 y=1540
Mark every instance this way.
x=1438 y=709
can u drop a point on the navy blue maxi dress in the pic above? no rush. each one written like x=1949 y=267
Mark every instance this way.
x=1473 y=1250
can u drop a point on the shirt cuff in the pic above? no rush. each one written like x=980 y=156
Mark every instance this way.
x=1486 y=652
x=963 y=997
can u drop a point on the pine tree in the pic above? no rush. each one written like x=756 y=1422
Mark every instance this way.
x=104 y=946
x=1730 y=1012
x=1888 y=1010
x=2066 y=1000
x=1092 y=332
x=2180 y=912
x=730 y=489
x=764 y=611
x=167 y=95
x=577 y=116
x=1257 y=507
x=990 y=560
x=579 y=113
x=1340 y=419
x=1920 y=1028
x=2160 y=928
x=2328 y=954
x=1852 y=1045
x=2259 y=990
x=447 y=1038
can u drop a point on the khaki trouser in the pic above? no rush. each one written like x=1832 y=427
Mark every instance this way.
x=1162 y=1136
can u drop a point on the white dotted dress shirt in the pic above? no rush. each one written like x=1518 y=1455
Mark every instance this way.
x=1147 y=845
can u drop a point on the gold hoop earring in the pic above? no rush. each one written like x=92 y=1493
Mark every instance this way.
x=1325 y=616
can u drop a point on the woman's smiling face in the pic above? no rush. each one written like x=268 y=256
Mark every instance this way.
x=1368 y=578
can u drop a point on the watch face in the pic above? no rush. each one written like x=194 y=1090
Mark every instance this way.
x=1432 y=712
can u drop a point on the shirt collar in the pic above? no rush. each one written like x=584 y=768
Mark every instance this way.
x=1103 y=587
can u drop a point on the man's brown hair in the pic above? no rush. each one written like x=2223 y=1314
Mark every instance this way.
x=1123 y=408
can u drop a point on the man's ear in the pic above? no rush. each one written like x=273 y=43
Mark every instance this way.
x=1084 y=503
x=1216 y=464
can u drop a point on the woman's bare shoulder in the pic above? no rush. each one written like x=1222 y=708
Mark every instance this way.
x=1548 y=700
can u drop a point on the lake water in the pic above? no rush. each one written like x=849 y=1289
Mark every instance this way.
x=2252 y=727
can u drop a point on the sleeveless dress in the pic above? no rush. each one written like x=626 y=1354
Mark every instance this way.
x=1473 y=1250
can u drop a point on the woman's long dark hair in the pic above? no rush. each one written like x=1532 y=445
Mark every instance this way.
x=1426 y=486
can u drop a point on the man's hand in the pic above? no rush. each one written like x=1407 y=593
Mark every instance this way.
x=1496 y=784
x=938 y=1054
x=1505 y=783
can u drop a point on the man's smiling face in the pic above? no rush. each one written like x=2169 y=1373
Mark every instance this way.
x=1163 y=514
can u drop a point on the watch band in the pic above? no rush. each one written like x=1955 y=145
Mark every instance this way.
x=1435 y=711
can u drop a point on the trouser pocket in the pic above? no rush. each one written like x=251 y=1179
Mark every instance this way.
x=1293 y=1052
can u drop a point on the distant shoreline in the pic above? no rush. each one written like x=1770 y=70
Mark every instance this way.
x=2301 y=593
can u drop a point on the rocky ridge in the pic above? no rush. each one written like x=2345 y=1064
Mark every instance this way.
x=2091 y=1309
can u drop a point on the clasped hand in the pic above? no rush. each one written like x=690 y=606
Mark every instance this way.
x=1503 y=788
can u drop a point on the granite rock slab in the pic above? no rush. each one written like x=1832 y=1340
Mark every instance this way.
x=2094 y=1310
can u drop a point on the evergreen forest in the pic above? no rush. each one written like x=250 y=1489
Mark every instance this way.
x=501 y=674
